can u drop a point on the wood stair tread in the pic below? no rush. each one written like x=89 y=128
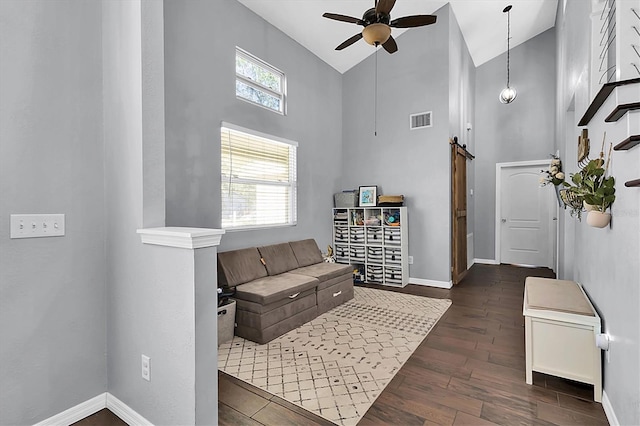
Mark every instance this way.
x=602 y=96
x=621 y=110
x=628 y=143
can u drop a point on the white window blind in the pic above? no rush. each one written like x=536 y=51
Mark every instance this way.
x=259 y=181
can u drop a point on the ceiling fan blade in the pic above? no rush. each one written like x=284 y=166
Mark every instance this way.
x=343 y=18
x=384 y=6
x=390 y=45
x=348 y=42
x=413 y=21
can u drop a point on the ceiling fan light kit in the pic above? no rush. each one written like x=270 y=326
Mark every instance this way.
x=508 y=94
x=377 y=25
x=376 y=34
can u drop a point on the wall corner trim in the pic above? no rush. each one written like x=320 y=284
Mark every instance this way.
x=189 y=238
x=126 y=413
x=77 y=413
x=92 y=406
x=608 y=410
x=431 y=283
x=486 y=261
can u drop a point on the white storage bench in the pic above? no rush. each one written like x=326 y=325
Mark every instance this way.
x=560 y=332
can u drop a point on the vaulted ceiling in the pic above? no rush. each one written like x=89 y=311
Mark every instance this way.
x=483 y=24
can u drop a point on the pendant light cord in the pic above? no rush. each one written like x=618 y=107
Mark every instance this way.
x=508 y=42
x=375 y=107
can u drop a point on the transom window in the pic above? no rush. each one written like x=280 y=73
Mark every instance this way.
x=259 y=83
x=259 y=179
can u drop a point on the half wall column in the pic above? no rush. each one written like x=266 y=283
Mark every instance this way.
x=202 y=278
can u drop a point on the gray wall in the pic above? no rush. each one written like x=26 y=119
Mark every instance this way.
x=200 y=94
x=416 y=163
x=522 y=130
x=606 y=261
x=52 y=290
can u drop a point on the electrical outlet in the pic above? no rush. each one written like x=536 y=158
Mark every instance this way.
x=146 y=368
x=410 y=260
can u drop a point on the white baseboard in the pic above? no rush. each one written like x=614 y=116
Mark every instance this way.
x=608 y=410
x=92 y=406
x=431 y=283
x=126 y=413
x=77 y=413
x=485 y=261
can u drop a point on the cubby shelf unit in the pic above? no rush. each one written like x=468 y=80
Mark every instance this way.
x=374 y=240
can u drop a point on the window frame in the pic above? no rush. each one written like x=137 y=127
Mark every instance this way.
x=292 y=184
x=282 y=95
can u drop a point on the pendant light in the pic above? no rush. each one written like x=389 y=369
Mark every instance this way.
x=508 y=94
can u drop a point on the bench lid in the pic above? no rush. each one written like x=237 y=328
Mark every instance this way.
x=556 y=295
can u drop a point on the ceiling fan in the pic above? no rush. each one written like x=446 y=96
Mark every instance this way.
x=377 y=25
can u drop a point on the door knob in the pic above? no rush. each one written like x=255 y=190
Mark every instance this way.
x=504 y=220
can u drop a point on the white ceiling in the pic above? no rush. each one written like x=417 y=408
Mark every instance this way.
x=483 y=24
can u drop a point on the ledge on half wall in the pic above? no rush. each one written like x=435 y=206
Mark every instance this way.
x=189 y=238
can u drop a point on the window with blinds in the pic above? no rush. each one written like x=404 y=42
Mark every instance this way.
x=258 y=184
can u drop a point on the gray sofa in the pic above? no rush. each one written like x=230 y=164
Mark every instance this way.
x=282 y=286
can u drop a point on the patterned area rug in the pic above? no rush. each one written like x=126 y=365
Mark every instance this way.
x=337 y=365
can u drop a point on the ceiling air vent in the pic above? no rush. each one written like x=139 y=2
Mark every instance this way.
x=420 y=120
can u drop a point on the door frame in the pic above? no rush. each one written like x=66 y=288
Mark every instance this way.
x=498 y=228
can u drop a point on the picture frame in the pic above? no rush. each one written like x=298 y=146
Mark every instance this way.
x=368 y=196
x=583 y=145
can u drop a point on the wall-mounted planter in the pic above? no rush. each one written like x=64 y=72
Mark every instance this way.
x=598 y=219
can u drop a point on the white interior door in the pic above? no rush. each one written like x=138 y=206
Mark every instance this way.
x=527 y=227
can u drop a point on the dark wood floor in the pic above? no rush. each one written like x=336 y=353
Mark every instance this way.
x=103 y=417
x=470 y=370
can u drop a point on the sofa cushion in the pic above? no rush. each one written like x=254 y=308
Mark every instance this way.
x=271 y=289
x=274 y=312
x=325 y=271
x=333 y=281
x=306 y=252
x=257 y=308
x=265 y=335
x=278 y=258
x=239 y=266
x=335 y=295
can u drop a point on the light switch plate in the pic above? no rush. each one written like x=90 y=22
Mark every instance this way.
x=37 y=225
